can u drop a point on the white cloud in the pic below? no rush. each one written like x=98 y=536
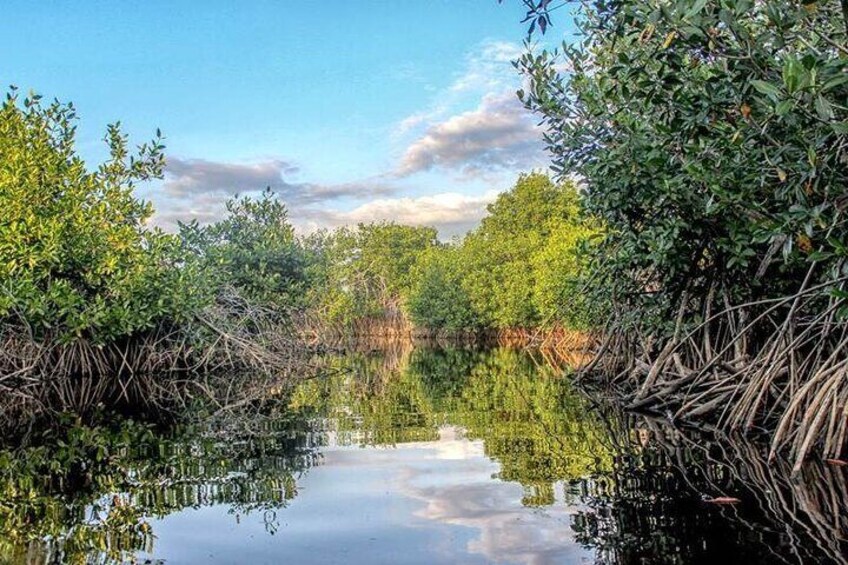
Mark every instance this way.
x=489 y=68
x=505 y=532
x=463 y=491
x=199 y=190
x=412 y=121
x=186 y=176
x=476 y=125
x=486 y=69
x=189 y=177
x=204 y=208
x=451 y=213
x=498 y=134
x=474 y=128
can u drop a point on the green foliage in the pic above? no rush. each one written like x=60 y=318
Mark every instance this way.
x=76 y=259
x=711 y=139
x=367 y=272
x=559 y=269
x=438 y=299
x=524 y=256
x=254 y=250
x=520 y=268
x=389 y=251
x=86 y=286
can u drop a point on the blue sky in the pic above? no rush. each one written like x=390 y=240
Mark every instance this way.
x=351 y=110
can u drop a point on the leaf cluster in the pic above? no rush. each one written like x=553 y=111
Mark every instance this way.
x=711 y=138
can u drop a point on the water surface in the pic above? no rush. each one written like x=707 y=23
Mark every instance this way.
x=422 y=455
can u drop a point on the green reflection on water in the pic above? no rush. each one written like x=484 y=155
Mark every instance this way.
x=89 y=492
x=79 y=491
x=530 y=419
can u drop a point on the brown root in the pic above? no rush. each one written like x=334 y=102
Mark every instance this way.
x=778 y=365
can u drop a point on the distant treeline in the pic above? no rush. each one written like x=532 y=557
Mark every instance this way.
x=517 y=269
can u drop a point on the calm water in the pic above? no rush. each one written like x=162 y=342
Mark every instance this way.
x=415 y=456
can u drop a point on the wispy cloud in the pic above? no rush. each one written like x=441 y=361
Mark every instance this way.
x=486 y=69
x=475 y=125
x=191 y=176
x=188 y=177
x=498 y=134
x=473 y=128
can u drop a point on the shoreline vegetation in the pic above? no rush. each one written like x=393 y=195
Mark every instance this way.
x=712 y=142
x=691 y=249
x=99 y=308
x=95 y=307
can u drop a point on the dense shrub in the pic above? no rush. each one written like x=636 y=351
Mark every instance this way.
x=711 y=139
x=89 y=291
x=254 y=250
x=76 y=258
x=366 y=272
x=438 y=300
x=521 y=268
x=524 y=256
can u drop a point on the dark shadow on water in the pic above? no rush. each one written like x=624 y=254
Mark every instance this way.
x=633 y=490
x=657 y=502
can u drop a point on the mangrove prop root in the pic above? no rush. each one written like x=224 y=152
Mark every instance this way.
x=778 y=365
x=166 y=366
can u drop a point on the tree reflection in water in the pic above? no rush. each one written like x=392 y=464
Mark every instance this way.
x=654 y=506
x=84 y=493
x=637 y=487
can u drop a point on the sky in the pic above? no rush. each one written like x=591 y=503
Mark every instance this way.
x=352 y=111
